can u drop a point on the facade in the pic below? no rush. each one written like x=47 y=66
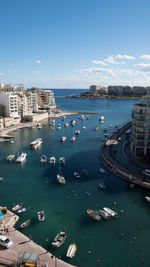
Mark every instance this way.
x=94 y=89
x=140 y=130
x=45 y=99
x=10 y=103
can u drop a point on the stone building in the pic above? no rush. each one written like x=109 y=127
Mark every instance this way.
x=94 y=89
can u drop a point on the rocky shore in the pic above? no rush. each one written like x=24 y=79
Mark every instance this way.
x=95 y=96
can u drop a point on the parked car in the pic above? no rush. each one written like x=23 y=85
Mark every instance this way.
x=5 y=241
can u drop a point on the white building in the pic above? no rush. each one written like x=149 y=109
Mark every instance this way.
x=10 y=103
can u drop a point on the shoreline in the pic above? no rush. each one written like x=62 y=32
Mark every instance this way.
x=102 y=97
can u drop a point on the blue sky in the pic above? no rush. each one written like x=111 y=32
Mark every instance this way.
x=75 y=43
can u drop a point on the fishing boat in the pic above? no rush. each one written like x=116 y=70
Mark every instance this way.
x=24 y=224
x=21 y=157
x=43 y=159
x=101 y=118
x=41 y=215
x=36 y=143
x=58 y=128
x=111 y=212
x=76 y=175
x=102 y=186
x=72 y=139
x=66 y=124
x=52 y=160
x=59 y=239
x=71 y=250
x=85 y=172
x=63 y=138
x=77 y=132
x=147 y=198
x=102 y=170
x=62 y=160
x=94 y=214
x=23 y=210
x=61 y=179
x=104 y=214
x=17 y=207
x=10 y=157
x=84 y=128
x=73 y=122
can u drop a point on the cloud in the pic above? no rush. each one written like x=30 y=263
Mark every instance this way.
x=2 y=74
x=99 y=62
x=38 y=61
x=145 y=57
x=111 y=60
x=124 y=57
x=144 y=67
x=99 y=70
x=36 y=71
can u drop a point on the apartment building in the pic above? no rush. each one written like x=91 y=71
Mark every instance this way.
x=140 y=131
x=45 y=99
x=9 y=103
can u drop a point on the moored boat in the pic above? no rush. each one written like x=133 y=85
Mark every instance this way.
x=77 y=132
x=102 y=186
x=17 y=207
x=84 y=128
x=52 y=160
x=76 y=175
x=62 y=160
x=71 y=250
x=41 y=215
x=61 y=179
x=63 y=138
x=147 y=198
x=94 y=214
x=85 y=172
x=95 y=129
x=66 y=124
x=43 y=159
x=72 y=139
x=82 y=117
x=102 y=170
x=101 y=118
x=73 y=122
x=104 y=214
x=111 y=212
x=23 y=210
x=36 y=143
x=131 y=186
x=24 y=224
x=10 y=157
x=1 y=178
x=21 y=157
x=59 y=239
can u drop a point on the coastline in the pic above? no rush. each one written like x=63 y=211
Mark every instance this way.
x=94 y=96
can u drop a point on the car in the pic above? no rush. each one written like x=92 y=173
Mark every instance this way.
x=5 y=241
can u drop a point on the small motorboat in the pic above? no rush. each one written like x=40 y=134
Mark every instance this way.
x=66 y=124
x=82 y=117
x=102 y=186
x=147 y=198
x=41 y=215
x=71 y=250
x=73 y=122
x=21 y=157
x=95 y=129
x=23 y=210
x=84 y=128
x=102 y=170
x=24 y=224
x=17 y=207
x=58 y=127
x=85 y=172
x=63 y=138
x=43 y=159
x=104 y=214
x=94 y=214
x=12 y=141
x=1 y=179
x=77 y=132
x=61 y=180
x=111 y=212
x=59 y=239
x=62 y=160
x=52 y=160
x=76 y=175
x=10 y=157
x=73 y=139
x=101 y=118
x=52 y=123
x=35 y=144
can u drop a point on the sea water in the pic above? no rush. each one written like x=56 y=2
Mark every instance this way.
x=122 y=241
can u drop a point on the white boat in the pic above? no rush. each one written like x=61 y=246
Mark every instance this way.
x=63 y=138
x=52 y=160
x=102 y=186
x=43 y=159
x=77 y=132
x=111 y=212
x=1 y=178
x=73 y=122
x=84 y=128
x=61 y=179
x=21 y=157
x=72 y=139
x=24 y=224
x=71 y=250
x=52 y=123
x=58 y=127
x=76 y=175
x=95 y=129
x=101 y=118
x=102 y=170
x=82 y=117
x=12 y=141
x=62 y=160
x=23 y=210
x=147 y=199
x=36 y=143
x=104 y=214
x=41 y=215
x=66 y=124
x=17 y=207
x=10 y=157
x=94 y=214
x=59 y=239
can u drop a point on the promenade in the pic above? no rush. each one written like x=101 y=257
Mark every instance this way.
x=116 y=157
x=8 y=257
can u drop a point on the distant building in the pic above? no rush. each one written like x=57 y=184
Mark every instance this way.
x=140 y=133
x=94 y=89
x=9 y=102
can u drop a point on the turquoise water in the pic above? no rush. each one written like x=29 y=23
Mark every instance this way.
x=34 y=184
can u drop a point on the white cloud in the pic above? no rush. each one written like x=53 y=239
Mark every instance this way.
x=99 y=70
x=124 y=57
x=144 y=67
x=36 y=71
x=99 y=62
x=38 y=61
x=2 y=74
x=111 y=60
x=145 y=57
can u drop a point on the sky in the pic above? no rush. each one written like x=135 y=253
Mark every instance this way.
x=75 y=43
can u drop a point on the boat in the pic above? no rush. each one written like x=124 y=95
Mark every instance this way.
x=52 y=123
x=76 y=175
x=131 y=186
x=101 y=118
x=111 y=212
x=39 y=127
x=73 y=122
x=66 y=124
x=104 y=214
x=84 y=128
x=102 y=170
x=52 y=160
x=71 y=250
x=72 y=139
x=58 y=127
x=95 y=129
x=43 y=159
x=85 y=172
x=10 y=157
x=61 y=179
x=102 y=186
x=21 y=157
x=82 y=117
x=17 y=207
x=23 y=210
x=1 y=178
x=59 y=239
x=77 y=132
x=94 y=214
x=147 y=198
x=63 y=138
x=41 y=215
x=36 y=143
x=62 y=160
x=106 y=135
x=24 y=224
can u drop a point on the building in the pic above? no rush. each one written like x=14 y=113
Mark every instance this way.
x=95 y=89
x=140 y=129
x=9 y=103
